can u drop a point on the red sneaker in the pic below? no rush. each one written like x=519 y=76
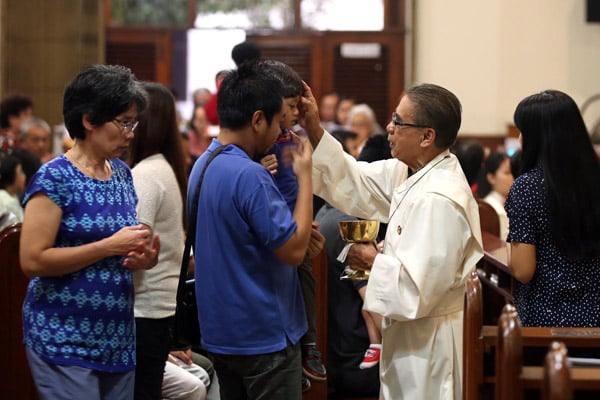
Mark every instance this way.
x=371 y=358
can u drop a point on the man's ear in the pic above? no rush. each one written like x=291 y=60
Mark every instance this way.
x=258 y=118
x=85 y=120
x=428 y=137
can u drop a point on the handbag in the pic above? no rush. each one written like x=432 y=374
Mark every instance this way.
x=187 y=326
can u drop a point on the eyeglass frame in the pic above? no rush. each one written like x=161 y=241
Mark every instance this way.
x=396 y=121
x=126 y=126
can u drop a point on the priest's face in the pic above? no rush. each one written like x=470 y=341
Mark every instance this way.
x=404 y=135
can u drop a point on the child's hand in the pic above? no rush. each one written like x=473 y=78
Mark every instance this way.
x=270 y=163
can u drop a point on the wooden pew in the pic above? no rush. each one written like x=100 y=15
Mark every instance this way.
x=15 y=379
x=513 y=376
x=319 y=391
x=557 y=374
x=473 y=347
x=479 y=343
x=488 y=218
x=497 y=281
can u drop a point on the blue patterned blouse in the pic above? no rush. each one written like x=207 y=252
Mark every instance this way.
x=84 y=318
x=563 y=291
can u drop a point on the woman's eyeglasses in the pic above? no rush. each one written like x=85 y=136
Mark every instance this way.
x=128 y=126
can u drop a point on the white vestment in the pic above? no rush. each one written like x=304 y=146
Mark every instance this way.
x=433 y=241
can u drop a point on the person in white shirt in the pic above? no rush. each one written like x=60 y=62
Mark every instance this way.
x=432 y=243
x=158 y=170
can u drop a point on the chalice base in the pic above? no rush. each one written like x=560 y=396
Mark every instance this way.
x=354 y=275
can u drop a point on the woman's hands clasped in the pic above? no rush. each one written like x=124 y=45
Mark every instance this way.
x=137 y=244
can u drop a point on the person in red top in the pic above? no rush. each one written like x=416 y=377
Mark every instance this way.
x=242 y=52
x=211 y=105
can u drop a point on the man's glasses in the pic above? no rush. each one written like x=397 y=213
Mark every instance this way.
x=398 y=122
x=128 y=126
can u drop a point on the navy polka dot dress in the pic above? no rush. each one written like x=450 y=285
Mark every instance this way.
x=563 y=292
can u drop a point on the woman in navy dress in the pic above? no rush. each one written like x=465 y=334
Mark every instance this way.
x=554 y=213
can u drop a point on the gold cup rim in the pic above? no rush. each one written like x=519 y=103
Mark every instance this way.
x=359 y=231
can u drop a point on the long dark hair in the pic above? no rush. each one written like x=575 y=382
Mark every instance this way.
x=157 y=133
x=555 y=138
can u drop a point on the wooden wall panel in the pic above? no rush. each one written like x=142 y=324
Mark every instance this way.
x=316 y=56
x=147 y=51
x=140 y=57
x=366 y=80
x=296 y=56
x=44 y=45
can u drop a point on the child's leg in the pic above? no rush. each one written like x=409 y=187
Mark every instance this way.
x=308 y=284
x=373 y=322
x=311 y=357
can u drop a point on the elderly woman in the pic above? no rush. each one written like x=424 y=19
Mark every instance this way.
x=361 y=121
x=80 y=242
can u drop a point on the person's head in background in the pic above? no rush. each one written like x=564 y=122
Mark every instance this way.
x=35 y=137
x=201 y=96
x=344 y=106
x=199 y=123
x=14 y=110
x=555 y=139
x=157 y=133
x=376 y=148
x=496 y=175
x=244 y=52
x=470 y=154
x=219 y=76
x=362 y=121
x=327 y=107
x=292 y=90
x=343 y=136
x=250 y=108
x=188 y=157
x=12 y=177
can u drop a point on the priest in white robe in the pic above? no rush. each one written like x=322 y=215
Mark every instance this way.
x=432 y=243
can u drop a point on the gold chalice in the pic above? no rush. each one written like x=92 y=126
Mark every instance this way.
x=358 y=231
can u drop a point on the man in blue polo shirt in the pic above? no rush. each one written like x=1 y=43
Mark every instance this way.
x=250 y=302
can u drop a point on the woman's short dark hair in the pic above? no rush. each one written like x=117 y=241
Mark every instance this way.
x=102 y=92
x=555 y=138
x=246 y=90
x=438 y=108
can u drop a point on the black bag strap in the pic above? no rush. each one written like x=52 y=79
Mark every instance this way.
x=191 y=233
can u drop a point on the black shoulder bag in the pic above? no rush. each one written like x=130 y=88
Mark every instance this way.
x=187 y=326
